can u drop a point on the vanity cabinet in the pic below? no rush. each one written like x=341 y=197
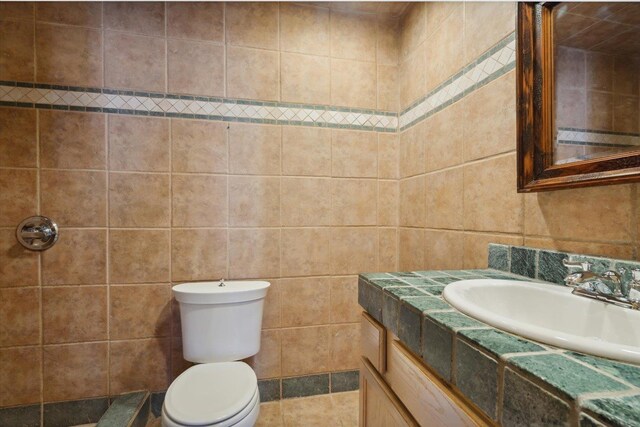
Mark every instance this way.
x=397 y=389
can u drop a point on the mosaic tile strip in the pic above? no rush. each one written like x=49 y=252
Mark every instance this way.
x=597 y=138
x=497 y=61
x=30 y=95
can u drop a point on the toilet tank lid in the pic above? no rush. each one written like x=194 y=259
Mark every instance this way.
x=210 y=393
x=213 y=293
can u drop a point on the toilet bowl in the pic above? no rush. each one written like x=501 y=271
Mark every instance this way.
x=213 y=394
x=221 y=324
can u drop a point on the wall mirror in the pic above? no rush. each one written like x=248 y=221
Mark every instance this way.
x=578 y=84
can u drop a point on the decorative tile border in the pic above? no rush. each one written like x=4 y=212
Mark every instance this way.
x=595 y=138
x=101 y=100
x=497 y=61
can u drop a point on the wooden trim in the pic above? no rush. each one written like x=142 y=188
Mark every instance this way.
x=373 y=342
x=368 y=374
x=474 y=415
x=535 y=78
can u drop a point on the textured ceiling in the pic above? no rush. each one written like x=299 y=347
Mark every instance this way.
x=390 y=8
x=601 y=27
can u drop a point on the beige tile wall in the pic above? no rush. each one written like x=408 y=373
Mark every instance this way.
x=146 y=202
x=458 y=167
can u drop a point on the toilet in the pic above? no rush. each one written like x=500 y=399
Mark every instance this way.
x=221 y=324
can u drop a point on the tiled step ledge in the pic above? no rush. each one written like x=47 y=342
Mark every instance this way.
x=128 y=410
x=514 y=381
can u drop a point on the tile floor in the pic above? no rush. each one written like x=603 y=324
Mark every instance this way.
x=327 y=410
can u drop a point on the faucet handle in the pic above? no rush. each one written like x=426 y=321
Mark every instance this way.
x=584 y=265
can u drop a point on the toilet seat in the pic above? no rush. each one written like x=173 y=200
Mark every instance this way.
x=212 y=394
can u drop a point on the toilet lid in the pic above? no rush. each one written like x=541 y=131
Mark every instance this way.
x=210 y=393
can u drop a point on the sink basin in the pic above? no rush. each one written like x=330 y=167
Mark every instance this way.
x=550 y=314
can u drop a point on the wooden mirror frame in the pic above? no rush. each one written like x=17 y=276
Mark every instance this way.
x=535 y=77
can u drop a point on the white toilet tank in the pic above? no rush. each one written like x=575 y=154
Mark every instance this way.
x=221 y=322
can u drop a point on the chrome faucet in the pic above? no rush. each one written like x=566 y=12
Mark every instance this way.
x=613 y=287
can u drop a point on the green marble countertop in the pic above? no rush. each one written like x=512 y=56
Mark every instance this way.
x=513 y=380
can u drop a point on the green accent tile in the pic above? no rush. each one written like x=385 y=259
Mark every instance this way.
x=600 y=265
x=310 y=385
x=269 y=390
x=436 y=348
x=405 y=291
x=127 y=410
x=24 y=416
x=421 y=281
x=433 y=290
x=498 y=343
x=477 y=377
x=370 y=298
x=459 y=273
x=74 y=412
x=526 y=404
x=423 y=303
x=472 y=277
x=445 y=280
x=430 y=273
x=628 y=373
x=499 y=257
x=345 y=381
x=157 y=400
x=455 y=320
x=383 y=283
x=618 y=411
x=404 y=274
x=409 y=321
x=550 y=267
x=375 y=276
x=390 y=312
x=480 y=271
x=566 y=376
x=523 y=261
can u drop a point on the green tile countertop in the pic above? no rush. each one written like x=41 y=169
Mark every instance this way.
x=513 y=380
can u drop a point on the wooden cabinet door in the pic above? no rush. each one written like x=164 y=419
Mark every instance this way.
x=430 y=401
x=373 y=342
x=379 y=407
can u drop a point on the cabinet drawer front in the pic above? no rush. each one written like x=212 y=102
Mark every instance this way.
x=428 y=399
x=373 y=342
x=379 y=407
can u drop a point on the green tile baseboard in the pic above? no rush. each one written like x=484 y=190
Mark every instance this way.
x=64 y=414
x=513 y=380
x=136 y=406
x=128 y=410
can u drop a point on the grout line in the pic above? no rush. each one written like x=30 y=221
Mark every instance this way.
x=108 y=245
x=39 y=266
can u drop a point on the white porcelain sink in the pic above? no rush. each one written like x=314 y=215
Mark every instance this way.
x=550 y=314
